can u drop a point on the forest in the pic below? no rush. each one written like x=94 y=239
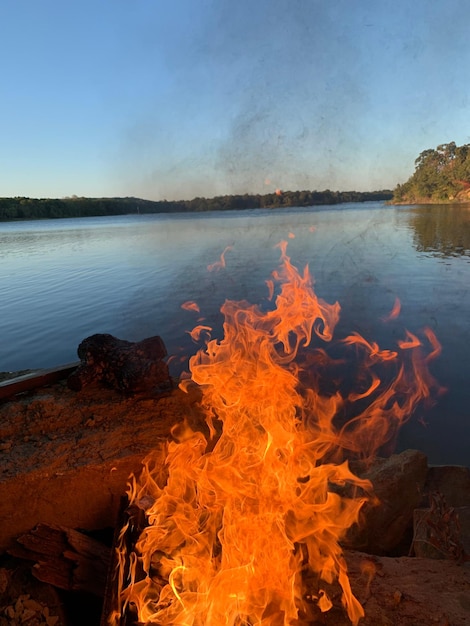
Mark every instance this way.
x=20 y=208
x=441 y=175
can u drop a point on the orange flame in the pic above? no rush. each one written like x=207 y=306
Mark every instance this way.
x=198 y=331
x=237 y=517
x=394 y=313
x=190 y=305
x=220 y=264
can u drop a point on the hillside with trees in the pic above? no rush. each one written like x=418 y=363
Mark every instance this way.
x=441 y=175
x=20 y=208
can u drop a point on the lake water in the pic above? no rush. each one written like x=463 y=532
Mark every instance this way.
x=63 y=280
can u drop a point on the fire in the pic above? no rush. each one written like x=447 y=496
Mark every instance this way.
x=220 y=264
x=242 y=512
x=394 y=313
x=190 y=305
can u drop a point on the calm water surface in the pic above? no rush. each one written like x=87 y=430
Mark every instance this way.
x=63 y=280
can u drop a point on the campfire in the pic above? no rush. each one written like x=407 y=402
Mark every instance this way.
x=243 y=523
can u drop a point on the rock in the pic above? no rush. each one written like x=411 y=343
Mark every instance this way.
x=452 y=481
x=398 y=484
x=122 y=365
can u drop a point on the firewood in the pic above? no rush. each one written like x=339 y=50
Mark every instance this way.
x=65 y=558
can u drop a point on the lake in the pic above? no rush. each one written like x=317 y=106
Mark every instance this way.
x=63 y=280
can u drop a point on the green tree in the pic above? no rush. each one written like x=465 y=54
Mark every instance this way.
x=440 y=175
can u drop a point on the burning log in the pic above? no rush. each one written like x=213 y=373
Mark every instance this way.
x=122 y=365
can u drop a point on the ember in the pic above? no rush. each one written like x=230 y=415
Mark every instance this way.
x=245 y=525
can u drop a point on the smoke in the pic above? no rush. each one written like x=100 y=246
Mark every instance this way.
x=305 y=94
x=295 y=101
x=256 y=91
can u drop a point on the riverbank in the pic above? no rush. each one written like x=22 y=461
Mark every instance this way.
x=460 y=198
x=430 y=201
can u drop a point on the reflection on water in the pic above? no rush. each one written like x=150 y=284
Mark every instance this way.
x=442 y=229
x=63 y=280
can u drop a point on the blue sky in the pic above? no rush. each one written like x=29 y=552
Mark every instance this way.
x=179 y=98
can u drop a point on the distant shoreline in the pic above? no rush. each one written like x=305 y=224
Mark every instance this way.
x=430 y=202
x=23 y=208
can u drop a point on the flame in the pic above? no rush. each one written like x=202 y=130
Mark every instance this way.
x=200 y=330
x=220 y=264
x=394 y=313
x=234 y=518
x=190 y=305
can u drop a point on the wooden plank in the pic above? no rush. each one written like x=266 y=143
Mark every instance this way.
x=40 y=378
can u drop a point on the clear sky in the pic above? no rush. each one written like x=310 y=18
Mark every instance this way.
x=179 y=98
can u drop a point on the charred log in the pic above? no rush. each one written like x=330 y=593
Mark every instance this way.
x=128 y=367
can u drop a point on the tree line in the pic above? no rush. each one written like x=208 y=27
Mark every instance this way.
x=441 y=175
x=21 y=208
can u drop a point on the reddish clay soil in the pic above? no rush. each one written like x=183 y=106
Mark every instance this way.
x=66 y=458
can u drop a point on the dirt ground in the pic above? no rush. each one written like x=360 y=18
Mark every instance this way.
x=405 y=591
x=66 y=458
